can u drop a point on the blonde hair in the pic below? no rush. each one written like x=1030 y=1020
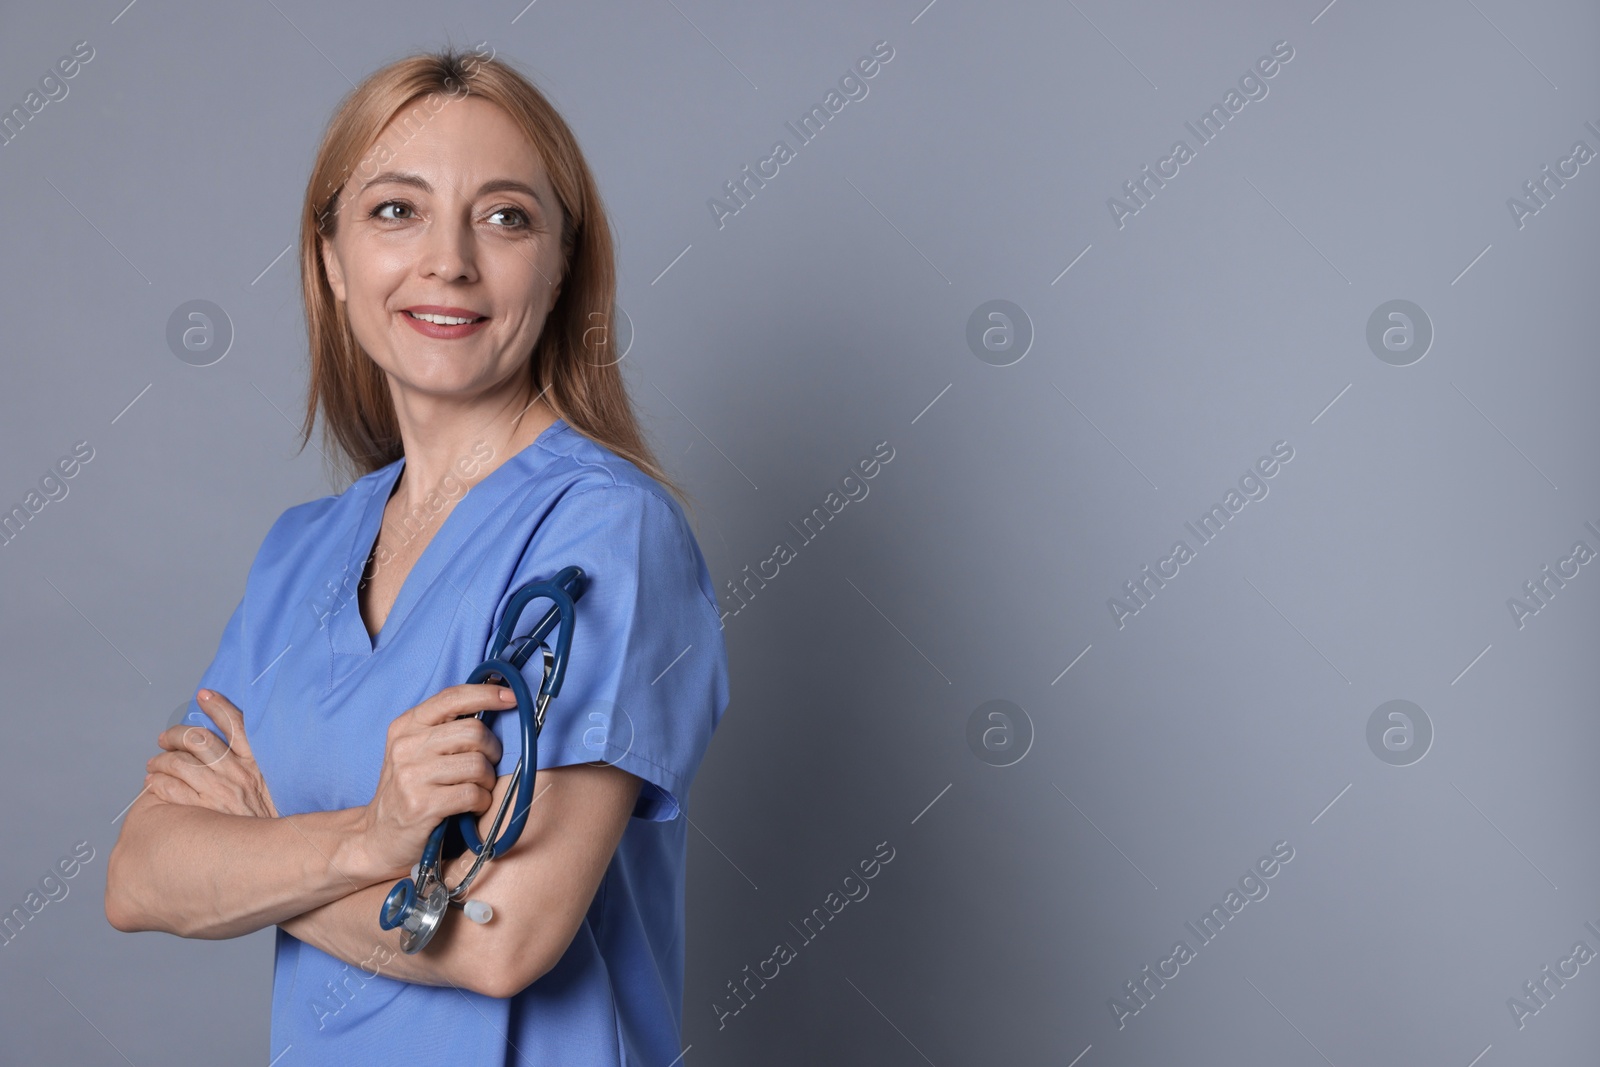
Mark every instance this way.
x=573 y=361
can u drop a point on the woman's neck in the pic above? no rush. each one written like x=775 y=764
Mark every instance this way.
x=464 y=442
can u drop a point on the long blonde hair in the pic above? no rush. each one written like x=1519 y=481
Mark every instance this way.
x=574 y=360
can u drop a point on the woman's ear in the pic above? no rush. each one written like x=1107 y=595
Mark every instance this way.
x=330 y=264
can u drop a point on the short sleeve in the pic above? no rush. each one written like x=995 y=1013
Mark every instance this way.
x=646 y=678
x=234 y=671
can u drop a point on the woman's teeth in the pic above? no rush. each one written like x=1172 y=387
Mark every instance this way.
x=441 y=320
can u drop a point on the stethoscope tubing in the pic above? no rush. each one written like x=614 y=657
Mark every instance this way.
x=563 y=591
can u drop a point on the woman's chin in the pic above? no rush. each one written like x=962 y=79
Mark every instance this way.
x=449 y=384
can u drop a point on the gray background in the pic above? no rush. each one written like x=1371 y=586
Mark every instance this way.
x=829 y=314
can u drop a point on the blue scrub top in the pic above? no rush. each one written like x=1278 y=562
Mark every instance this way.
x=646 y=685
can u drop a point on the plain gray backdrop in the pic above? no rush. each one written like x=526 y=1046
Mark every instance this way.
x=1046 y=451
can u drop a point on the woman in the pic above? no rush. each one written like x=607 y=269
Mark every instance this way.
x=458 y=279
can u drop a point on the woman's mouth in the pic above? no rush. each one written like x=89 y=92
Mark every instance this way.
x=443 y=326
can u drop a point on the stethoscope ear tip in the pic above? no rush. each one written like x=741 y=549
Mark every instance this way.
x=478 y=911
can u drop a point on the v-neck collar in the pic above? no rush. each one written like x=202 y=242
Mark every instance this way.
x=348 y=630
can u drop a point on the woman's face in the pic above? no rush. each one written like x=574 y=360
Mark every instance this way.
x=462 y=221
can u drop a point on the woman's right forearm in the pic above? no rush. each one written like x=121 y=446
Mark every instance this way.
x=195 y=872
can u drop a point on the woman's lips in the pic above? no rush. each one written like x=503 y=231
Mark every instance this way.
x=443 y=333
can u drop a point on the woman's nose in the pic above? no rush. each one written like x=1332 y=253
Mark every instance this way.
x=449 y=253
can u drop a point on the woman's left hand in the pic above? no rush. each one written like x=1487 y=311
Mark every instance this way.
x=201 y=770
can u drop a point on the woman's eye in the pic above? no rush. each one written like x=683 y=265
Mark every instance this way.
x=518 y=212
x=378 y=212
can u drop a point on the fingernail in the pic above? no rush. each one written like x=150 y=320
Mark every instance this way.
x=205 y=694
x=508 y=696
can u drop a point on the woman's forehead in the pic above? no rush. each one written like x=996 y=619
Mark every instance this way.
x=465 y=143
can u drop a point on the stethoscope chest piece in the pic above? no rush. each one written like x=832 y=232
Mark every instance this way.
x=424 y=911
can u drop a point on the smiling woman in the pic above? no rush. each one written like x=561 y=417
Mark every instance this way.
x=451 y=299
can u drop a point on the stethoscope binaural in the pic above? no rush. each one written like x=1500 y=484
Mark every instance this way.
x=416 y=905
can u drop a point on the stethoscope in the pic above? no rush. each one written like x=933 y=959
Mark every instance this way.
x=416 y=905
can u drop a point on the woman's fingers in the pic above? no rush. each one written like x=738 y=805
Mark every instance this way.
x=233 y=787
x=443 y=773
x=169 y=762
x=184 y=766
x=229 y=719
x=438 y=761
x=441 y=786
x=204 y=745
x=172 y=790
x=473 y=798
x=466 y=768
x=461 y=700
x=464 y=735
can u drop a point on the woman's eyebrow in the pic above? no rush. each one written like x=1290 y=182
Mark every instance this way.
x=494 y=185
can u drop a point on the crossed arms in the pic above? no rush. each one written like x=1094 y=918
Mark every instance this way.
x=204 y=854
